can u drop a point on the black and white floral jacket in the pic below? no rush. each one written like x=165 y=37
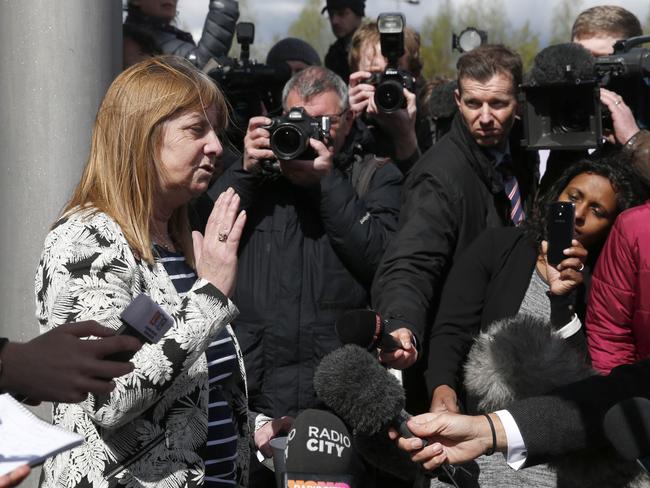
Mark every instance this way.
x=148 y=431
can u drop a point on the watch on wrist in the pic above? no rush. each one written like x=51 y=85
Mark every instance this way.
x=3 y=343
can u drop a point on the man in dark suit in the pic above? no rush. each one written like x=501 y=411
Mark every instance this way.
x=530 y=431
x=476 y=177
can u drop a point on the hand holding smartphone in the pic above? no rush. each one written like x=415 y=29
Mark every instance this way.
x=559 y=230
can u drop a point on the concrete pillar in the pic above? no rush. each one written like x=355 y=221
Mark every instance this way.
x=57 y=58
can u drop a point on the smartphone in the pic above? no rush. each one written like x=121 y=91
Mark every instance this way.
x=559 y=230
x=144 y=319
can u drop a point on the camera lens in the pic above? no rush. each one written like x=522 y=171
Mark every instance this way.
x=287 y=142
x=389 y=96
x=570 y=109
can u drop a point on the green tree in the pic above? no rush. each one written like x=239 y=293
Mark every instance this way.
x=435 y=38
x=564 y=14
x=487 y=16
x=526 y=43
x=312 y=27
x=436 y=34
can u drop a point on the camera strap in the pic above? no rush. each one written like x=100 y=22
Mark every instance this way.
x=362 y=172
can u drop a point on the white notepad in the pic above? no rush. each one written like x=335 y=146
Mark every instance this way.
x=26 y=439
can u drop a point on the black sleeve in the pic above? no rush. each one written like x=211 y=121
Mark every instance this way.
x=217 y=34
x=571 y=418
x=562 y=309
x=218 y=30
x=359 y=228
x=245 y=184
x=405 y=165
x=411 y=274
x=459 y=317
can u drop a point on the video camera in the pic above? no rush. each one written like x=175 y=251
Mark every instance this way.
x=561 y=102
x=247 y=84
x=389 y=96
x=290 y=134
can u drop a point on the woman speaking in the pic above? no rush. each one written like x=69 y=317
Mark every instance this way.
x=125 y=232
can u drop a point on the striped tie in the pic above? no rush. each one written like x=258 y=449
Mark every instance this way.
x=511 y=188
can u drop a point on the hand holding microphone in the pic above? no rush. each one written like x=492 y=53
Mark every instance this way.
x=370 y=400
x=405 y=355
x=366 y=329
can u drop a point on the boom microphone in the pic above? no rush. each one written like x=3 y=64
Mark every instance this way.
x=366 y=329
x=562 y=63
x=627 y=427
x=319 y=452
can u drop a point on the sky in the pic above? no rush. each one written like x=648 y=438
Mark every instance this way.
x=278 y=14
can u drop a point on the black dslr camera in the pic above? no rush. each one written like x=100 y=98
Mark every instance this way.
x=247 y=84
x=290 y=134
x=389 y=95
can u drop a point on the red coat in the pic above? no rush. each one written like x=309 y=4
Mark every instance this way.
x=618 y=314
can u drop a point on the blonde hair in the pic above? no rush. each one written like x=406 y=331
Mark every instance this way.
x=121 y=175
x=368 y=35
x=606 y=20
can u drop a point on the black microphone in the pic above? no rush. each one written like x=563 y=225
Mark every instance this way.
x=369 y=399
x=627 y=427
x=562 y=63
x=366 y=329
x=361 y=391
x=319 y=452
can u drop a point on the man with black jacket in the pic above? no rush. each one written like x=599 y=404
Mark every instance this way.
x=314 y=237
x=345 y=18
x=454 y=192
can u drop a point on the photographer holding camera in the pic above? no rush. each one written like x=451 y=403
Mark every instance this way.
x=566 y=94
x=597 y=29
x=319 y=220
x=385 y=61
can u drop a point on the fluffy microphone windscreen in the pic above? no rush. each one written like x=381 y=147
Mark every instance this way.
x=562 y=63
x=357 y=327
x=358 y=389
x=627 y=427
x=320 y=443
x=442 y=103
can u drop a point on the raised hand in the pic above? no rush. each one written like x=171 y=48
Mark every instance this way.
x=215 y=253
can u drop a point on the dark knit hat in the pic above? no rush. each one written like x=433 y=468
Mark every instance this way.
x=292 y=49
x=357 y=6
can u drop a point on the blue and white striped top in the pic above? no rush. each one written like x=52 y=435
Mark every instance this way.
x=220 y=452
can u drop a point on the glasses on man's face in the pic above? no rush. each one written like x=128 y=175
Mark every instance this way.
x=335 y=119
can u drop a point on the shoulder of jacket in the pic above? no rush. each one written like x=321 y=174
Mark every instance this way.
x=449 y=171
x=634 y=215
x=81 y=224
